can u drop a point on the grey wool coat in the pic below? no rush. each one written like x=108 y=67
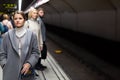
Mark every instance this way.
x=10 y=58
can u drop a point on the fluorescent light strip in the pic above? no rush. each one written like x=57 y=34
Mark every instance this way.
x=19 y=5
x=37 y=4
x=40 y=3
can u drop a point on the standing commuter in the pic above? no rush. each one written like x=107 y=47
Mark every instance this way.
x=19 y=51
x=43 y=29
x=35 y=26
x=5 y=25
x=6 y=21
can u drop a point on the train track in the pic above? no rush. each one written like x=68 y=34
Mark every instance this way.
x=79 y=63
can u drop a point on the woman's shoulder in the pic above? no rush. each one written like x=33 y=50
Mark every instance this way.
x=29 y=31
x=28 y=21
x=4 y=22
x=6 y=34
x=11 y=31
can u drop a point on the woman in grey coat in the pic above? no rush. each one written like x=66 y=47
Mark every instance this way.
x=19 y=51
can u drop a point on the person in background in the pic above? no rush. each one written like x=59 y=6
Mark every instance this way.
x=11 y=19
x=35 y=26
x=43 y=30
x=5 y=25
x=1 y=31
x=6 y=21
x=19 y=52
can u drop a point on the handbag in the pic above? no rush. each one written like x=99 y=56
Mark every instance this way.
x=30 y=73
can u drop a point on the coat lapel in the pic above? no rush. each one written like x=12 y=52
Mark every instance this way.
x=27 y=42
x=12 y=40
x=26 y=46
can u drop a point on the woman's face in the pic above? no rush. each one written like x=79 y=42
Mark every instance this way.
x=34 y=14
x=41 y=13
x=18 y=20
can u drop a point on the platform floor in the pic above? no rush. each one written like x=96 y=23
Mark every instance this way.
x=53 y=71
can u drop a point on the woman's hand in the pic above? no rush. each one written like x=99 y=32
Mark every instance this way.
x=25 y=68
x=41 y=47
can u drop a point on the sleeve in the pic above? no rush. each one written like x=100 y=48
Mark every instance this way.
x=3 y=51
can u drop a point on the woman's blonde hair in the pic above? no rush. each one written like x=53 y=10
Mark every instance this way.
x=30 y=12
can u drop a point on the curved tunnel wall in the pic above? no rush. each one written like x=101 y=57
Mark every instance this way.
x=96 y=17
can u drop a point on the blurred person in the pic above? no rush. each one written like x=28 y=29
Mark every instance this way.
x=19 y=51
x=43 y=30
x=11 y=19
x=35 y=26
x=5 y=25
x=6 y=21
x=1 y=32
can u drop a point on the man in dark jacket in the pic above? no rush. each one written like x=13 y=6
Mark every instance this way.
x=39 y=66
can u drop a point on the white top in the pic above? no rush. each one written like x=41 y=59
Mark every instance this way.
x=20 y=32
x=35 y=27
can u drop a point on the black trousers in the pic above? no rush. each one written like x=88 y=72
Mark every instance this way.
x=44 y=51
x=43 y=54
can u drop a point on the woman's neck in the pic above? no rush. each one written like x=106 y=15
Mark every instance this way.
x=20 y=31
x=33 y=19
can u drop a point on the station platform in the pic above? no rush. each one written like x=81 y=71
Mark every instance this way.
x=74 y=62
x=53 y=71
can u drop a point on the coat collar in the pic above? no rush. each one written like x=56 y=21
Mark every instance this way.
x=13 y=42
